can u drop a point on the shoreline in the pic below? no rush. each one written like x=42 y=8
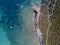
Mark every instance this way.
x=37 y=29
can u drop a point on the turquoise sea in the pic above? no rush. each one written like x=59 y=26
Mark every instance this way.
x=16 y=25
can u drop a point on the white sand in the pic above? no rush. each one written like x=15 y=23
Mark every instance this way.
x=37 y=29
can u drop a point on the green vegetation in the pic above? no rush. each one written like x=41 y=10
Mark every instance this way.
x=54 y=31
x=43 y=21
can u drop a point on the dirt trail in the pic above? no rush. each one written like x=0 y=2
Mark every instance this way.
x=49 y=15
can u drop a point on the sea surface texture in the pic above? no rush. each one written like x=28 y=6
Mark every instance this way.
x=16 y=22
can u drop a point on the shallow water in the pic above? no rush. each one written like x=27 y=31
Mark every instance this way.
x=16 y=23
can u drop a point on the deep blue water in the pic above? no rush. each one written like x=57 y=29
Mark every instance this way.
x=16 y=26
